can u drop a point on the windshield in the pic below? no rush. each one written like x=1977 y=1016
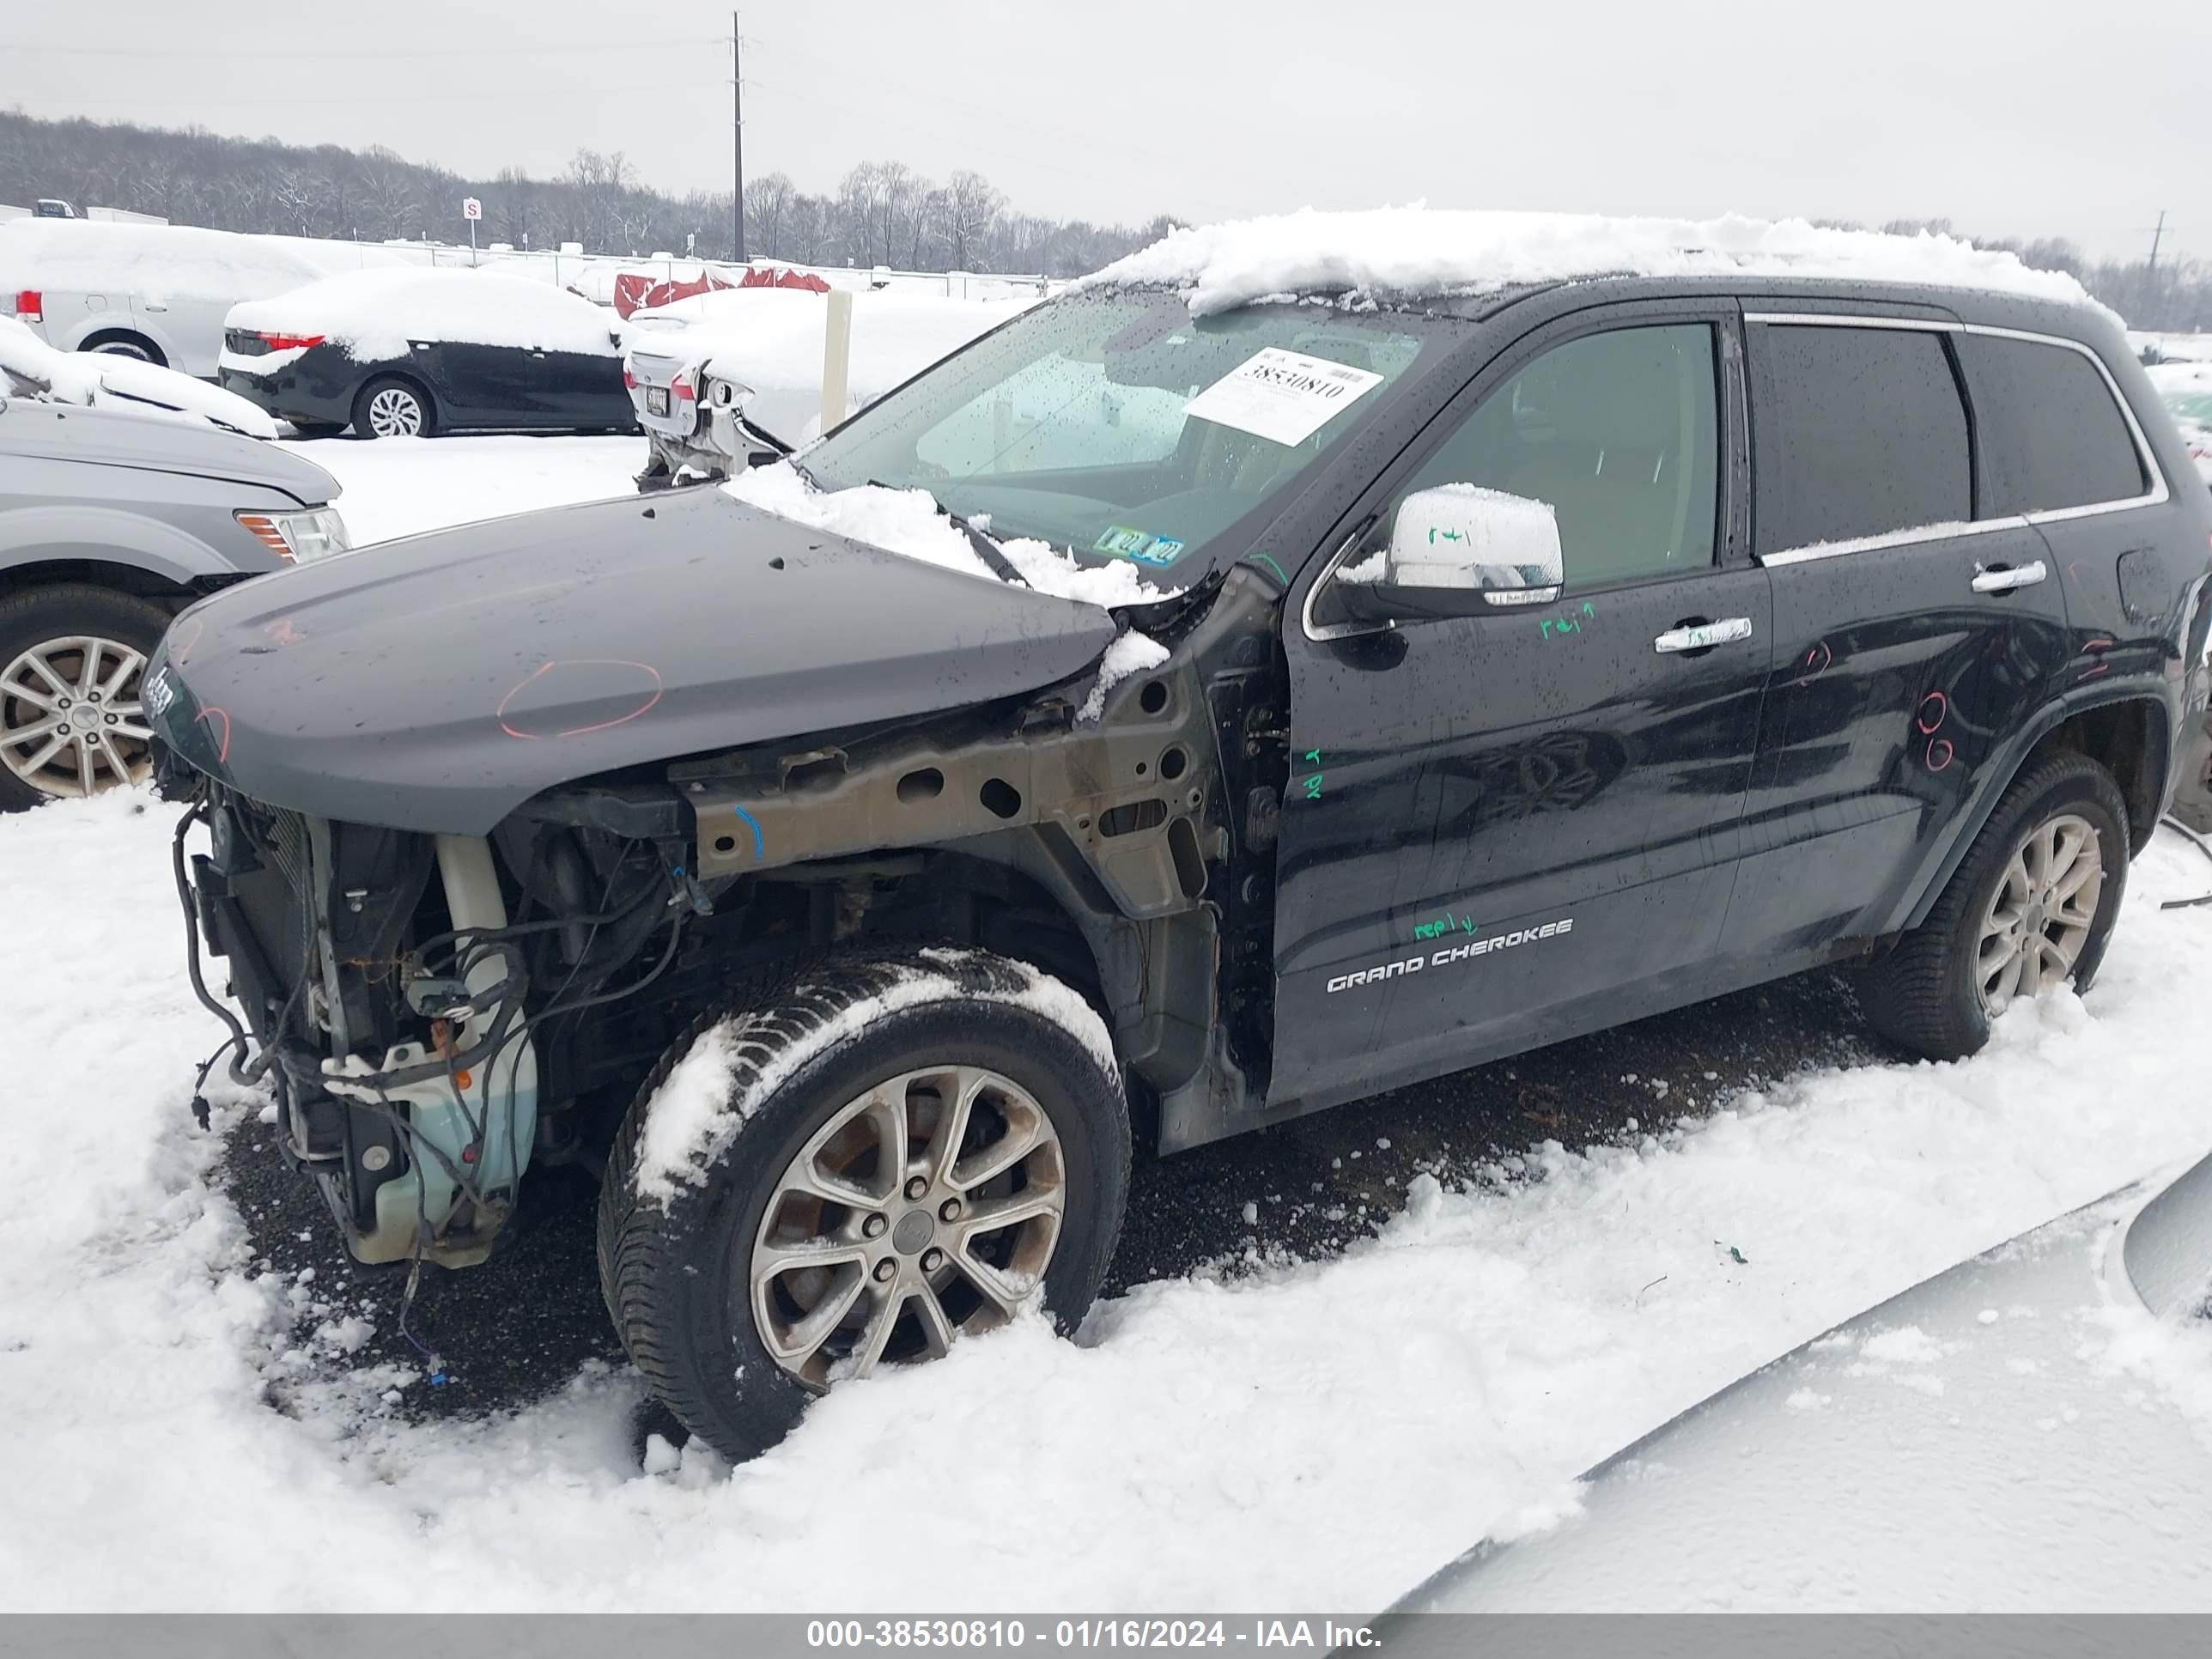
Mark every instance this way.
x=1118 y=427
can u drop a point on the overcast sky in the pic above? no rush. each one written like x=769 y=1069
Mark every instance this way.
x=2009 y=117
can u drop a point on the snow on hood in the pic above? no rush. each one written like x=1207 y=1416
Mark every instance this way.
x=157 y=262
x=374 y=313
x=103 y=380
x=909 y=522
x=1415 y=251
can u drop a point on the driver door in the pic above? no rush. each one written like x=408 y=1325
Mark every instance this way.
x=1507 y=827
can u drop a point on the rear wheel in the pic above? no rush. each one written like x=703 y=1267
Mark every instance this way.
x=135 y=346
x=390 y=407
x=70 y=722
x=883 y=1156
x=2032 y=908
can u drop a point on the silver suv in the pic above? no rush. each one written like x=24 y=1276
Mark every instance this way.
x=110 y=524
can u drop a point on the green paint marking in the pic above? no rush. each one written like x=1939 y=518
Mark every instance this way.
x=1313 y=786
x=1261 y=558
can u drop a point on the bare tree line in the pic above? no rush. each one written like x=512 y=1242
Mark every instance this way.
x=2174 y=295
x=882 y=213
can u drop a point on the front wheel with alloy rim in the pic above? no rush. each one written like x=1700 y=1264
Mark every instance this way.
x=2031 y=908
x=861 y=1167
x=392 y=408
x=70 y=722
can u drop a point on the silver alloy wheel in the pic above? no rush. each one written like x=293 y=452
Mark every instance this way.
x=2039 y=917
x=70 y=722
x=928 y=1207
x=395 y=412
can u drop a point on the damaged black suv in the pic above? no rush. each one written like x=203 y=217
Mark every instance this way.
x=1471 y=672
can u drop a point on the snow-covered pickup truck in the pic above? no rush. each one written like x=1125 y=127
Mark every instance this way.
x=1307 y=658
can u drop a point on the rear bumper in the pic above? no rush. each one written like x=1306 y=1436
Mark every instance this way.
x=290 y=395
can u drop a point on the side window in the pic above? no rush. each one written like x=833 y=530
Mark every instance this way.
x=1617 y=433
x=2052 y=436
x=1855 y=432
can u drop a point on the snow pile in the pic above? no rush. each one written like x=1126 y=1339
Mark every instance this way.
x=909 y=522
x=771 y=339
x=152 y=262
x=374 y=313
x=100 y=380
x=1204 y=1439
x=1414 y=251
x=695 y=1115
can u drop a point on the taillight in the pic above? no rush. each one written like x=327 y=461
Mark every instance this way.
x=630 y=380
x=289 y=342
x=31 y=305
x=684 y=388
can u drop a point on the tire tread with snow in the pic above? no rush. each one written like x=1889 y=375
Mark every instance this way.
x=673 y=1269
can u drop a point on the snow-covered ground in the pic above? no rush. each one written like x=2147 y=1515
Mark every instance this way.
x=1315 y=1436
x=398 y=486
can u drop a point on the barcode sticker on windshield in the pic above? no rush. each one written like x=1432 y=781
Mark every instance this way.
x=1283 y=396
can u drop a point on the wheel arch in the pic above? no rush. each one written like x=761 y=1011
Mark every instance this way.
x=2126 y=730
x=125 y=334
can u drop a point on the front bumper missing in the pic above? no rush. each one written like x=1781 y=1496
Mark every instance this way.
x=462 y=1109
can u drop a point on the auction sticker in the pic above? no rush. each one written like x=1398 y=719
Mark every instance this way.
x=1284 y=397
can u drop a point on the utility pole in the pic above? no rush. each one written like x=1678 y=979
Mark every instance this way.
x=738 y=112
x=2157 y=234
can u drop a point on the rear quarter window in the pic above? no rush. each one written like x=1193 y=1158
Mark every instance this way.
x=1857 y=432
x=2052 y=435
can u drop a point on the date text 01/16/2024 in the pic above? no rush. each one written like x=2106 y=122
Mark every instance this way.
x=1321 y=1635
x=1448 y=954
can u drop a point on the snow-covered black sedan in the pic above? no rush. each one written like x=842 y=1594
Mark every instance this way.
x=411 y=353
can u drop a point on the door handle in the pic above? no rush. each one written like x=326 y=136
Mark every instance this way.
x=2003 y=578
x=1703 y=635
x=155 y=305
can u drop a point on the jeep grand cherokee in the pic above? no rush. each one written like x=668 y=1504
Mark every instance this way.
x=1490 y=659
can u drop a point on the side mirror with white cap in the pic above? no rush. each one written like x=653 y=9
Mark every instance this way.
x=1459 y=549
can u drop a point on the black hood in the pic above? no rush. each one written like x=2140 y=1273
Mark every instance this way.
x=439 y=681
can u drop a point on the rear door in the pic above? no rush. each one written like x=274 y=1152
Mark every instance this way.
x=1916 y=623
x=1506 y=828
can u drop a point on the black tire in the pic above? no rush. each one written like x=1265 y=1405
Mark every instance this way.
x=1922 y=995
x=317 y=429
x=41 y=614
x=135 y=346
x=386 y=383
x=675 y=1272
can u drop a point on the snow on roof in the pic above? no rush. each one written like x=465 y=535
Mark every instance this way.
x=1413 y=252
x=174 y=262
x=374 y=313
